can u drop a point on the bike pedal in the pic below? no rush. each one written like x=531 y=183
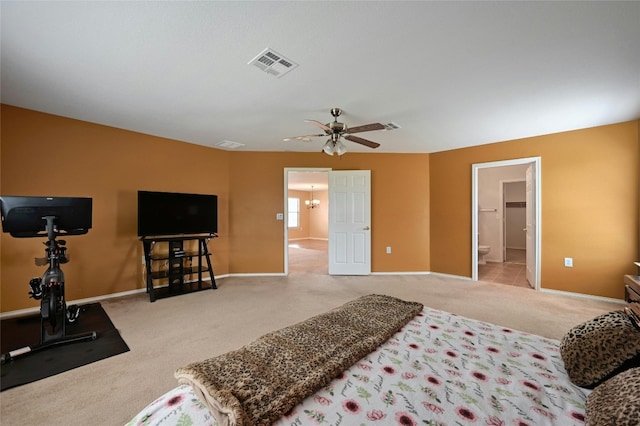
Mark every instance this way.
x=35 y=296
x=72 y=313
x=36 y=288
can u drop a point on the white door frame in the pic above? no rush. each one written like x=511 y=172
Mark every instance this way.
x=537 y=214
x=286 y=206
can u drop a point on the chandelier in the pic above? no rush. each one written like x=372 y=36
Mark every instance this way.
x=312 y=203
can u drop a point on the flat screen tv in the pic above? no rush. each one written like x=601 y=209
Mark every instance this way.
x=24 y=217
x=174 y=213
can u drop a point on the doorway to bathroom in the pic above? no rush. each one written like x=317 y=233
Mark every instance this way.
x=506 y=222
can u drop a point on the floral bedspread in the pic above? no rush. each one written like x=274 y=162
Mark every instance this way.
x=440 y=369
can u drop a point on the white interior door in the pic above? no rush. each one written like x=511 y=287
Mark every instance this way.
x=530 y=229
x=350 y=222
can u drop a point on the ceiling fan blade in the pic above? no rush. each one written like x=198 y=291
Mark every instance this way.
x=365 y=128
x=361 y=141
x=303 y=137
x=319 y=124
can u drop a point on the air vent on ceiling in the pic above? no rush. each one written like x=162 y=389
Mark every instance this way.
x=273 y=63
x=229 y=145
x=391 y=126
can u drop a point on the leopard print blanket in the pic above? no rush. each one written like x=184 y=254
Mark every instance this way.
x=262 y=381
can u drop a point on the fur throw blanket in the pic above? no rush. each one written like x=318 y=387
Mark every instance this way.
x=260 y=382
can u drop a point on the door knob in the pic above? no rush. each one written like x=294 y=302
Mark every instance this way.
x=366 y=228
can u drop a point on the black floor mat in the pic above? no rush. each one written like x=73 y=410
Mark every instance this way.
x=17 y=333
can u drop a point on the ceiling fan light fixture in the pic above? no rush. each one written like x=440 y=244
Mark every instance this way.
x=328 y=147
x=337 y=130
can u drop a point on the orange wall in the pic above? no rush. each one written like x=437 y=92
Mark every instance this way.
x=399 y=208
x=421 y=203
x=589 y=206
x=49 y=155
x=110 y=165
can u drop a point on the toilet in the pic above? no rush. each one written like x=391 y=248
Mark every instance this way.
x=482 y=252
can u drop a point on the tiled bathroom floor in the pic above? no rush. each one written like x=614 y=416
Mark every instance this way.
x=511 y=272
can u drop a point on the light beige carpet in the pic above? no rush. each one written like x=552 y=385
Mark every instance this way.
x=173 y=332
x=308 y=257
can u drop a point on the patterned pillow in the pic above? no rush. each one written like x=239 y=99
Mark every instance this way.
x=616 y=401
x=600 y=348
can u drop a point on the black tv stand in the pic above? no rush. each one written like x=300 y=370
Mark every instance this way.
x=171 y=260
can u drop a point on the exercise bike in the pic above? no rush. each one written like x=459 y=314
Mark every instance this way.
x=49 y=289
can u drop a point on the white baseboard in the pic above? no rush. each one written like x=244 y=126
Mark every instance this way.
x=582 y=295
x=402 y=273
x=34 y=310
x=27 y=311
x=258 y=274
x=546 y=290
x=459 y=277
x=550 y=291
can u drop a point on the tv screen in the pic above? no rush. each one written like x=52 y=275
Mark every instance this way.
x=24 y=216
x=173 y=213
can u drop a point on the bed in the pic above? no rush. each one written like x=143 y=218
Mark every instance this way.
x=438 y=368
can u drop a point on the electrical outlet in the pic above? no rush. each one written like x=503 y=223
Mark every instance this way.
x=388 y=249
x=279 y=216
x=568 y=262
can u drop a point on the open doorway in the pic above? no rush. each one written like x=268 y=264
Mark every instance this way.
x=491 y=206
x=515 y=222
x=306 y=220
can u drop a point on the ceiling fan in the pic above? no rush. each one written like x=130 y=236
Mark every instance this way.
x=336 y=130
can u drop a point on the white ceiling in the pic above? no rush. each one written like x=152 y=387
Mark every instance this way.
x=451 y=74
